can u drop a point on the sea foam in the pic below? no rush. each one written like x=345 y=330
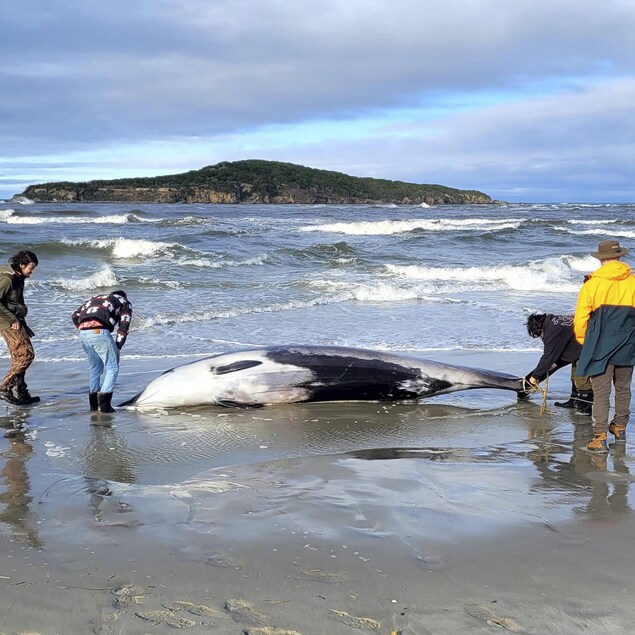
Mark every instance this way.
x=612 y=232
x=118 y=219
x=387 y=227
x=128 y=247
x=552 y=275
x=105 y=277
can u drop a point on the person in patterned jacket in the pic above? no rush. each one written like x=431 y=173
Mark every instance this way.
x=96 y=319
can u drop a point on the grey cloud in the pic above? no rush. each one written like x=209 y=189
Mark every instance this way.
x=84 y=72
x=567 y=147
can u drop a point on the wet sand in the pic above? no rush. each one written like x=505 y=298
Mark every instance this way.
x=465 y=513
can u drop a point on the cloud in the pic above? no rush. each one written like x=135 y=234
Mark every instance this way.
x=83 y=77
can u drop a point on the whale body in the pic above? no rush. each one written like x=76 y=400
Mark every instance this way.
x=292 y=374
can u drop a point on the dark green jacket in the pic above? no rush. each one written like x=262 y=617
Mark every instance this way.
x=12 y=307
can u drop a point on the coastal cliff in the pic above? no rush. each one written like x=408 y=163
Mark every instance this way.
x=254 y=181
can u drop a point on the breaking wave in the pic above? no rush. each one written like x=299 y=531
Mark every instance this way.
x=386 y=227
x=103 y=278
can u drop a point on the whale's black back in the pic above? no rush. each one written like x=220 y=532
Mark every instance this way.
x=338 y=376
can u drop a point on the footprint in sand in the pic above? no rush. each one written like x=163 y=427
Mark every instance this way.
x=242 y=610
x=127 y=595
x=196 y=609
x=485 y=614
x=268 y=630
x=157 y=617
x=365 y=623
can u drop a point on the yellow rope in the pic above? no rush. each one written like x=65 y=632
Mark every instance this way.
x=529 y=387
x=544 y=391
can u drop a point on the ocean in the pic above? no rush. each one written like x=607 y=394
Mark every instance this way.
x=205 y=279
x=315 y=485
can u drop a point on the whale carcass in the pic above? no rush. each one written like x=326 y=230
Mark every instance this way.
x=291 y=374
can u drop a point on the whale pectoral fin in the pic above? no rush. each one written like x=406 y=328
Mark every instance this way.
x=130 y=402
x=236 y=366
x=227 y=403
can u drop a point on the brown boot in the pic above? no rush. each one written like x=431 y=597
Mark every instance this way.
x=598 y=444
x=619 y=432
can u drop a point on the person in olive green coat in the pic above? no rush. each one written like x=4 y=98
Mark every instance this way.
x=14 y=328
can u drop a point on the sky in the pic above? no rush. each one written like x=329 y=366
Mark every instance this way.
x=525 y=100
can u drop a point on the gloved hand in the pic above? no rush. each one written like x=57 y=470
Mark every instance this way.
x=524 y=394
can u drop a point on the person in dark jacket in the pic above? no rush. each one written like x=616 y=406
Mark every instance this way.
x=560 y=349
x=604 y=324
x=14 y=329
x=96 y=319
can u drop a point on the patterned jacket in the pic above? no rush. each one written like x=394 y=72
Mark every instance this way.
x=605 y=319
x=109 y=310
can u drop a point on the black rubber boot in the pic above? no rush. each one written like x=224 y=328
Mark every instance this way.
x=24 y=396
x=9 y=397
x=572 y=401
x=104 y=402
x=585 y=402
x=92 y=400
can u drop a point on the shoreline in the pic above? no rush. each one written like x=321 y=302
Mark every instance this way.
x=456 y=514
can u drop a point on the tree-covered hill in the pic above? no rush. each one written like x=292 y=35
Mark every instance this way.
x=254 y=181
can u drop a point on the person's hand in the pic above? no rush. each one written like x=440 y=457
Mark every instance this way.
x=16 y=326
x=533 y=381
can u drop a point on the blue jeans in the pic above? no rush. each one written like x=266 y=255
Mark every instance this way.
x=103 y=357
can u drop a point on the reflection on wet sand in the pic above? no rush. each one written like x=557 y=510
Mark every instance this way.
x=600 y=481
x=15 y=500
x=596 y=486
x=106 y=459
x=107 y=456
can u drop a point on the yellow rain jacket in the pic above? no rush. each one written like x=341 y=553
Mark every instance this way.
x=604 y=321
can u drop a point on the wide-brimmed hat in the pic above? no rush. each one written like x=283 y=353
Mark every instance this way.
x=609 y=249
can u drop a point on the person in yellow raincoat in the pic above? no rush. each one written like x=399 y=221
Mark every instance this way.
x=604 y=323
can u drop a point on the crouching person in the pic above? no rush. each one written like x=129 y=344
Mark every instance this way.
x=96 y=319
x=560 y=349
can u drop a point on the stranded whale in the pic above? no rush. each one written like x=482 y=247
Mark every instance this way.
x=291 y=374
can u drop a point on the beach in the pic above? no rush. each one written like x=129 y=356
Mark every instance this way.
x=466 y=512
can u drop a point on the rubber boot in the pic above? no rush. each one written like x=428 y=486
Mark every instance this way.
x=585 y=403
x=572 y=402
x=92 y=401
x=24 y=396
x=103 y=401
x=8 y=396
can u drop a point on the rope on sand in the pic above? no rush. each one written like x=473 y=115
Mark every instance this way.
x=529 y=387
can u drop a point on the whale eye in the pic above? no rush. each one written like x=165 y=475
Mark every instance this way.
x=236 y=366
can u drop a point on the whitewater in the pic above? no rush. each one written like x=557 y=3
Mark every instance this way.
x=203 y=278
x=456 y=513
